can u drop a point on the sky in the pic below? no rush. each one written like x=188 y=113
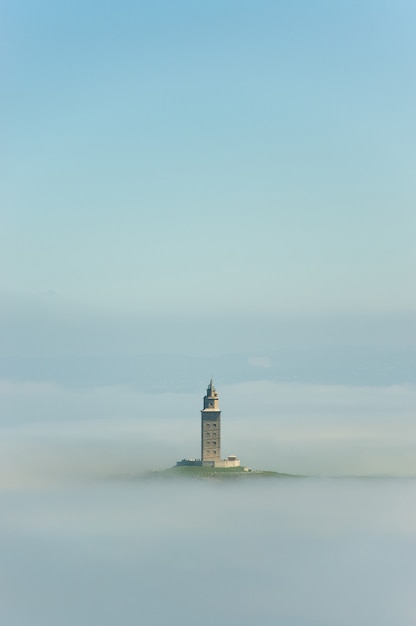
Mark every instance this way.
x=207 y=160
x=192 y=189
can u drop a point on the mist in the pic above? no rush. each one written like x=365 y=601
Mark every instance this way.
x=91 y=534
x=51 y=433
x=298 y=552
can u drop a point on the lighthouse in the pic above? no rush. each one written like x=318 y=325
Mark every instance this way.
x=211 y=435
x=211 y=428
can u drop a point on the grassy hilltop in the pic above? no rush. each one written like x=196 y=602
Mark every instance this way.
x=220 y=473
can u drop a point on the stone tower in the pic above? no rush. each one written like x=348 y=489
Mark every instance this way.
x=211 y=428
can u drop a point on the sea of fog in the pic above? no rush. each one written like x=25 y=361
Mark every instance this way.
x=288 y=552
x=86 y=539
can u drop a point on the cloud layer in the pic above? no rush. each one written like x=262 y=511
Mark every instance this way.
x=296 y=552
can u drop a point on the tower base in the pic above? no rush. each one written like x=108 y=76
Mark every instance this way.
x=230 y=461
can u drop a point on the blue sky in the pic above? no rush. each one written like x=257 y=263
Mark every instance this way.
x=222 y=158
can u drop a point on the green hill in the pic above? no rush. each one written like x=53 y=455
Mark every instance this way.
x=220 y=473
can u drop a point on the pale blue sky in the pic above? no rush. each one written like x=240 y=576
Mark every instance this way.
x=224 y=157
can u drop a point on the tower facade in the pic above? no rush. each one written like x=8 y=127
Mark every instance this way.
x=211 y=436
x=211 y=428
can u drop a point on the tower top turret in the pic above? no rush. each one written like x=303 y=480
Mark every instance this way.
x=211 y=399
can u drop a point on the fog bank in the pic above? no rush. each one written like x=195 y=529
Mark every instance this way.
x=294 y=552
x=51 y=433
